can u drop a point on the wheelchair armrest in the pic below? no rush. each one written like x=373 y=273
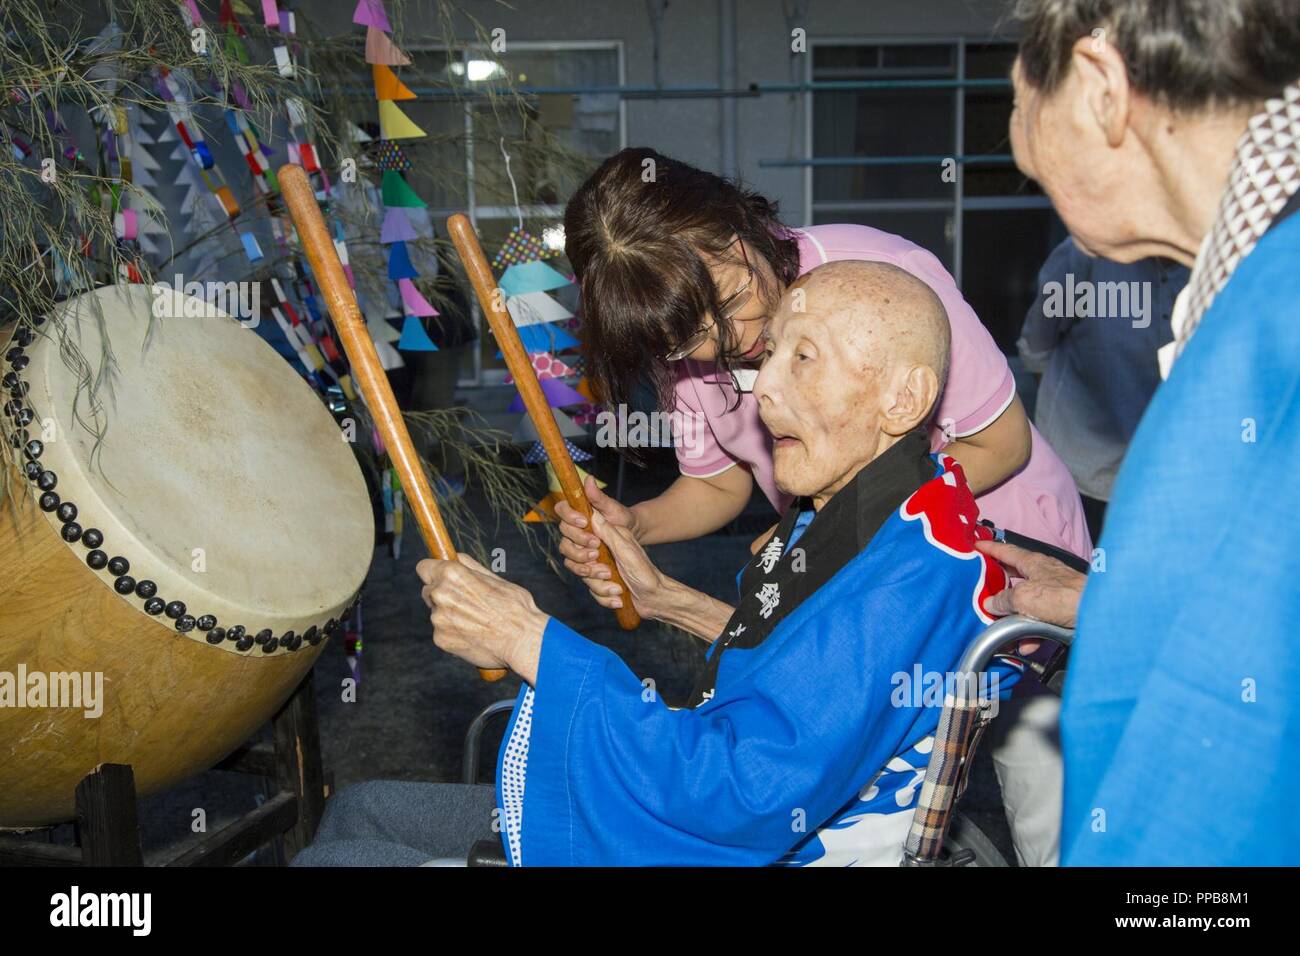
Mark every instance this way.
x=487 y=853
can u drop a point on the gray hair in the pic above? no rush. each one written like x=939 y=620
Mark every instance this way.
x=1188 y=55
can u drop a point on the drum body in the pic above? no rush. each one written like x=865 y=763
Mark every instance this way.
x=211 y=476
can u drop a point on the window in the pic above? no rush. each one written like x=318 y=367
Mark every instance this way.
x=878 y=143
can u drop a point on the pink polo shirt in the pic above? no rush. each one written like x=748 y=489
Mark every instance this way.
x=1040 y=500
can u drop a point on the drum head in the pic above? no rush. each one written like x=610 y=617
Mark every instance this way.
x=210 y=466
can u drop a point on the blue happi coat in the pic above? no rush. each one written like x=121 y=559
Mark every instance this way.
x=812 y=747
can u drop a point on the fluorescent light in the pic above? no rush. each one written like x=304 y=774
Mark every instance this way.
x=480 y=70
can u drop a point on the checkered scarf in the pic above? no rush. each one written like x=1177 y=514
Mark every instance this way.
x=1264 y=177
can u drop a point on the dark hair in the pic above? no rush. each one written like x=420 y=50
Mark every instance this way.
x=1188 y=55
x=634 y=232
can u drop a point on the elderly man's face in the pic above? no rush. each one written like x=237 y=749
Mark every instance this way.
x=818 y=394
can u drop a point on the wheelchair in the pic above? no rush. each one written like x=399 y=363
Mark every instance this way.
x=941 y=835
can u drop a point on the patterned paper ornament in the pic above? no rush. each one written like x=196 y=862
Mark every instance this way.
x=537 y=454
x=521 y=246
x=387 y=155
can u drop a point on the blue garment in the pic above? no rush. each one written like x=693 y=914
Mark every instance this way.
x=807 y=747
x=1180 y=726
x=1099 y=369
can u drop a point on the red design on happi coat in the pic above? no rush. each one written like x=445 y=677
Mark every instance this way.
x=947 y=511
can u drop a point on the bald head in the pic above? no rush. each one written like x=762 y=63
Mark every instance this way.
x=857 y=354
x=882 y=312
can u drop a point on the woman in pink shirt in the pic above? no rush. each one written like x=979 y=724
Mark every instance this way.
x=678 y=271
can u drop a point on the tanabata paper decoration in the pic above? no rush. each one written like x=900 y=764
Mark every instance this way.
x=528 y=277
x=387 y=85
x=521 y=246
x=586 y=415
x=283 y=62
x=394 y=124
x=387 y=155
x=584 y=389
x=389 y=357
x=399 y=262
x=381 y=49
x=531 y=308
x=548 y=366
x=558 y=395
x=553 y=481
x=526 y=433
x=396 y=191
x=251 y=248
x=414 y=338
x=397 y=227
x=544 y=510
x=371 y=13
x=537 y=454
x=547 y=337
x=382 y=331
x=126 y=225
x=413 y=303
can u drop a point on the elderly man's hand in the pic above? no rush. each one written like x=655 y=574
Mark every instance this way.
x=1050 y=591
x=481 y=618
x=649 y=587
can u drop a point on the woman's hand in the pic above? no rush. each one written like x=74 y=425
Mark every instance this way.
x=578 y=544
x=1050 y=591
x=481 y=618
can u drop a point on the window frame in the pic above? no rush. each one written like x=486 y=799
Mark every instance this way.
x=959 y=203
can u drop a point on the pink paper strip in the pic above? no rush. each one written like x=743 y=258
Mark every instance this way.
x=271 y=13
x=413 y=303
x=371 y=13
x=195 y=16
x=129 y=226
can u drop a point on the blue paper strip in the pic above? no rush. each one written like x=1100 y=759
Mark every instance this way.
x=251 y=247
x=203 y=154
x=399 y=263
x=414 y=338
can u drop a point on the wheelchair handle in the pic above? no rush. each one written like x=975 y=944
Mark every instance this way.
x=981 y=651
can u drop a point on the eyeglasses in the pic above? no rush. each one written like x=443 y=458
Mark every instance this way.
x=727 y=308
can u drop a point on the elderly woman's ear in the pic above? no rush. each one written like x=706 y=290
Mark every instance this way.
x=914 y=394
x=1100 y=68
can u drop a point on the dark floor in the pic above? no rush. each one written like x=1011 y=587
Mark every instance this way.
x=415 y=703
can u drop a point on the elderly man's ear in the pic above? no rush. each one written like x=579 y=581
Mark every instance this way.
x=915 y=391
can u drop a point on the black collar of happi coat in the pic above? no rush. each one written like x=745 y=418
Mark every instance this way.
x=779 y=578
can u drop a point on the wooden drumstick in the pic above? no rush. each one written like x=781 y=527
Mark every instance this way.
x=366 y=368
x=492 y=301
